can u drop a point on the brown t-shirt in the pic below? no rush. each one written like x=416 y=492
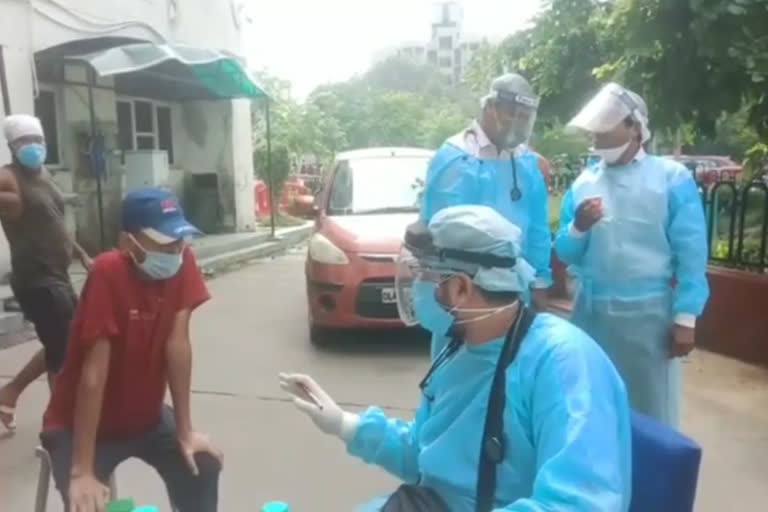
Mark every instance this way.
x=41 y=249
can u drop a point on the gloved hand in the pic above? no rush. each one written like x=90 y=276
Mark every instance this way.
x=312 y=400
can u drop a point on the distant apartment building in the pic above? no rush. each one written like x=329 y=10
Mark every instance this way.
x=447 y=49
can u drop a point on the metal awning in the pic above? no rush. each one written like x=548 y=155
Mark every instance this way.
x=173 y=72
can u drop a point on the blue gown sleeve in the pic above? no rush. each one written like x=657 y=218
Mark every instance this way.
x=581 y=430
x=570 y=249
x=539 y=243
x=389 y=443
x=451 y=181
x=687 y=233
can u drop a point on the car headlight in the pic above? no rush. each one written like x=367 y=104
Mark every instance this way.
x=322 y=250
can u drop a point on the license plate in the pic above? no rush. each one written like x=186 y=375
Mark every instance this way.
x=388 y=296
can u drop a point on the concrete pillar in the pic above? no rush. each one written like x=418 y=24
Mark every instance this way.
x=242 y=166
x=17 y=53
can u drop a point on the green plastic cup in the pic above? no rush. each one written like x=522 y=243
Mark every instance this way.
x=120 y=506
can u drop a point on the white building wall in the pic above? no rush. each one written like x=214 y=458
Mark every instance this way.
x=27 y=26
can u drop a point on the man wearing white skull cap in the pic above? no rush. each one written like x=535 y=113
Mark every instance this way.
x=32 y=216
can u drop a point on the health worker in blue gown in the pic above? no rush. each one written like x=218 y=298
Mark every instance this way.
x=565 y=423
x=489 y=164
x=633 y=231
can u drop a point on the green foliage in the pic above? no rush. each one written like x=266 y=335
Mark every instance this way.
x=557 y=54
x=734 y=136
x=702 y=65
x=296 y=130
x=692 y=59
x=756 y=161
x=396 y=103
x=556 y=141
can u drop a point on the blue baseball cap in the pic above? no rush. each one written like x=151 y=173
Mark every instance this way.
x=156 y=213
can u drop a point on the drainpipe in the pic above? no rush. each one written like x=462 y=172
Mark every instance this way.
x=92 y=114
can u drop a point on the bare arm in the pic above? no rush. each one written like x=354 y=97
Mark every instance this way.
x=179 y=357
x=10 y=197
x=90 y=393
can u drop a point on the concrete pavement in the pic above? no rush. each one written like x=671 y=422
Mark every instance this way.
x=255 y=326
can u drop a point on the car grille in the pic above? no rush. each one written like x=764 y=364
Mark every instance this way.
x=369 y=303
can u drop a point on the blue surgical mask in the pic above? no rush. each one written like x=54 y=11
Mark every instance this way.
x=32 y=155
x=158 y=265
x=428 y=311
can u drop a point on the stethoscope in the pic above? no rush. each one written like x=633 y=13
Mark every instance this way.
x=515 y=194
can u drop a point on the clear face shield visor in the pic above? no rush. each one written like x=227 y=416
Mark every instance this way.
x=409 y=273
x=516 y=117
x=612 y=105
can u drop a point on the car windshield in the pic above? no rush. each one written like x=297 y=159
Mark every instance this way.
x=378 y=185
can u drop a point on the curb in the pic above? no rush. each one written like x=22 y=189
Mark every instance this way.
x=270 y=247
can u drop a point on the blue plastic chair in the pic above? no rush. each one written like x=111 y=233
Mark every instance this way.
x=665 y=468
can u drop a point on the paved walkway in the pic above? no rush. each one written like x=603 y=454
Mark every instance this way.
x=255 y=326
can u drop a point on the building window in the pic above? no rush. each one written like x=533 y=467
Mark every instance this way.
x=432 y=57
x=445 y=62
x=446 y=43
x=474 y=46
x=45 y=110
x=144 y=124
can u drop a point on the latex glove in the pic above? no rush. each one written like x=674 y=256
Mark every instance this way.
x=588 y=213
x=683 y=341
x=313 y=401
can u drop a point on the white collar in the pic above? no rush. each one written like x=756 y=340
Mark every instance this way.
x=640 y=155
x=481 y=137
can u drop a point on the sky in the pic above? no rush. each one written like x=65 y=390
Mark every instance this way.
x=312 y=42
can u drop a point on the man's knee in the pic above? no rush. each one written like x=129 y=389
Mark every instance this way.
x=208 y=466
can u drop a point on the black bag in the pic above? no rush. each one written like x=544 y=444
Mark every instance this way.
x=417 y=498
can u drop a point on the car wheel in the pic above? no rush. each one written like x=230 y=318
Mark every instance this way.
x=319 y=336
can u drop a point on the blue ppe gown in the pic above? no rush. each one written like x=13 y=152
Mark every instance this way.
x=455 y=177
x=566 y=427
x=654 y=231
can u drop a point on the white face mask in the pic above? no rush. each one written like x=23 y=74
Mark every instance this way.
x=611 y=155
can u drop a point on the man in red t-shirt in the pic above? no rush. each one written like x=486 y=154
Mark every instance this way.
x=129 y=341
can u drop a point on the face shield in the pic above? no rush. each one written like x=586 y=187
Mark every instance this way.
x=611 y=106
x=415 y=282
x=515 y=117
x=421 y=268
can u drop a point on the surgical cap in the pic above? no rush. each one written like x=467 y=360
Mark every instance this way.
x=482 y=230
x=21 y=125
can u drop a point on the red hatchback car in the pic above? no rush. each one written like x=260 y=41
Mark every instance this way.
x=368 y=201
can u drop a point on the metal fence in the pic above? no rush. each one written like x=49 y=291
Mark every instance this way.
x=737 y=219
x=737 y=223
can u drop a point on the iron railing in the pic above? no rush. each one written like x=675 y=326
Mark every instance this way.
x=737 y=223
x=737 y=219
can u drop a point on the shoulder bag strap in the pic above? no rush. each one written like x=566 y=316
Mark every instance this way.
x=492 y=447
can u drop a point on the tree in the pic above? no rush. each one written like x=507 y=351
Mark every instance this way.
x=296 y=130
x=396 y=103
x=558 y=55
x=692 y=59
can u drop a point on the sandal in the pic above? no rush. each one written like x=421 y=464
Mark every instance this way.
x=8 y=417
